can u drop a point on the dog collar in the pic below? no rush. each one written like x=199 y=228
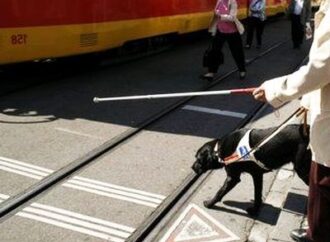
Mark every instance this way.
x=216 y=151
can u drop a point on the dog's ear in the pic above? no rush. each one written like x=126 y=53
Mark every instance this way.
x=206 y=149
x=203 y=157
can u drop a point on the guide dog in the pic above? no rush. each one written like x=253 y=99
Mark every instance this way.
x=289 y=145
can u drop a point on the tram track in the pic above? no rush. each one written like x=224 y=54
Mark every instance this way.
x=181 y=195
x=9 y=206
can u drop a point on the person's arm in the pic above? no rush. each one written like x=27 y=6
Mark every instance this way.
x=308 y=78
x=308 y=27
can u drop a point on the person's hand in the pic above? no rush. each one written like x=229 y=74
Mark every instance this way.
x=259 y=94
x=309 y=32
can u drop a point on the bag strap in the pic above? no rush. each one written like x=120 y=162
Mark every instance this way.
x=255 y=3
x=221 y=2
x=305 y=122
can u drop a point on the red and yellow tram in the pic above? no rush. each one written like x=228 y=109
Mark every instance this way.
x=40 y=29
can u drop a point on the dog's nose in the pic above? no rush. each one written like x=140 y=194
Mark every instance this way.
x=197 y=168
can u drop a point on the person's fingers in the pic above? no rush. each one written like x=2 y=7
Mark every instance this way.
x=260 y=97
x=256 y=91
x=259 y=94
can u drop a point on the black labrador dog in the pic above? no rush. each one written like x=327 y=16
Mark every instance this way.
x=289 y=145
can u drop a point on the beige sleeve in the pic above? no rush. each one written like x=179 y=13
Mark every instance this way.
x=310 y=77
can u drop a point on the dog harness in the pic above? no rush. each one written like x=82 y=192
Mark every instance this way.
x=243 y=152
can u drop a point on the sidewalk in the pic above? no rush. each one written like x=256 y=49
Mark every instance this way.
x=288 y=193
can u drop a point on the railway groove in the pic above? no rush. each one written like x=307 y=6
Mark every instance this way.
x=9 y=206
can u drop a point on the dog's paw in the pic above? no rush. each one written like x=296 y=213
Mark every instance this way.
x=253 y=211
x=208 y=204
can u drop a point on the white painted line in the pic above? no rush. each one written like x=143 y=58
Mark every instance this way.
x=76 y=222
x=25 y=164
x=115 y=191
x=3 y=197
x=22 y=173
x=106 y=194
x=77 y=133
x=120 y=187
x=84 y=217
x=214 y=111
x=85 y=184
x=29 y=170
x=70 y=227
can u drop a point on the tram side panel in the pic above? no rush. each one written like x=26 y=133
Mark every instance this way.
x=38 y=29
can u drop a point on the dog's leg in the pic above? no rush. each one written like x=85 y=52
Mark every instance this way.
x=302 y=163
x=258 y=184
x=229 y=184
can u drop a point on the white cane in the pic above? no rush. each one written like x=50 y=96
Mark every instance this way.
x=171 y=95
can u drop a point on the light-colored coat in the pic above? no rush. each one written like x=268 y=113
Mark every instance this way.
x=312 y=79
x=232 y=17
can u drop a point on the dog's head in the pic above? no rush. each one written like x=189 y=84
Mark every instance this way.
x=207 y=158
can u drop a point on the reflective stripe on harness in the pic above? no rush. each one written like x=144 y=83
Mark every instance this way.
x=243 y=152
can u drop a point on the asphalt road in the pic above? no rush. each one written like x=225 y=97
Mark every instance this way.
x=45 y=127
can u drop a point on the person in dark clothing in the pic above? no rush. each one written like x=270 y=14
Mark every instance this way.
x=300 y=13
x=256 y=21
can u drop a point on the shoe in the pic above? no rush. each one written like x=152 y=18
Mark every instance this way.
x=299 y=235
x=247 y=46
x=242 y=75
x=208 y=76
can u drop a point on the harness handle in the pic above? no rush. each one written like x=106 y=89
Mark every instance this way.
x=305 y=122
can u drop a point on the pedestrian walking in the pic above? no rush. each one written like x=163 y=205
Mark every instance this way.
x=300 y=13
x=225 y=27
x=313 y=82
x=256 y=22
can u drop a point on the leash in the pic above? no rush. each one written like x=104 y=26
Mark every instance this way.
x=182 y=94
x=231 y=159
x=305 y=122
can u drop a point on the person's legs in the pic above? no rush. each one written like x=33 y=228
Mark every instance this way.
x=236 y=48
x=319 y=203
x=216 y=55
x=249 y=32
x=297 y=31
x=301 y=33
x=259 y=30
